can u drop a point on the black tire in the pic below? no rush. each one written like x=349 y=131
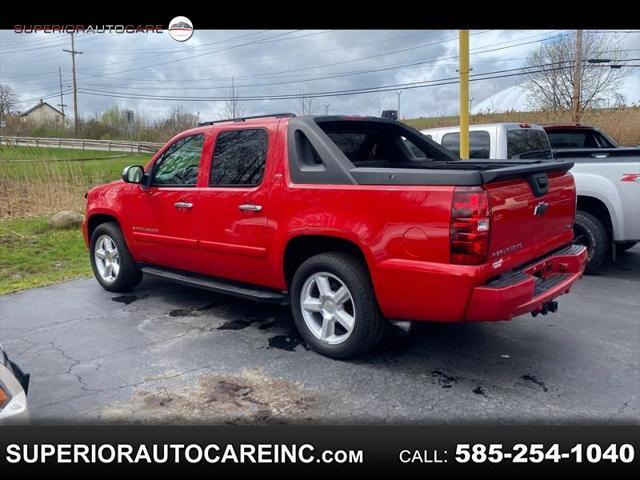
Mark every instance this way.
x=624 y=246
x=589 y=231
x=129 y=275
x=368 y=326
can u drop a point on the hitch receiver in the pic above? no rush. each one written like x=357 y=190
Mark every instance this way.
x=551 y=306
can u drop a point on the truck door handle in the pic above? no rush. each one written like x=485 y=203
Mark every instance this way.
x=183 y=204
x=248 y=207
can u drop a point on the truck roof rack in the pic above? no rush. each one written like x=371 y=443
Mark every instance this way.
x=242 y=119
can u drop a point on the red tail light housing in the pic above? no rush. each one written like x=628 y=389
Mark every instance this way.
x=470 y=226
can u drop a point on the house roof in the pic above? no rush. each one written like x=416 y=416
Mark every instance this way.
x=38 y=105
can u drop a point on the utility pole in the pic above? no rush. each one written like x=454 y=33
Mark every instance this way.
x=463 y=39
x=326 y=109
x=577 y=78
x=398 y=94
x=61 y=104
x=233 y=98
x=73 y=53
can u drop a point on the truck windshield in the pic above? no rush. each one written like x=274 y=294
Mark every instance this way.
x=528 y=143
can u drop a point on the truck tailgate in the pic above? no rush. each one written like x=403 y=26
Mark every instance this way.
x=526 y=225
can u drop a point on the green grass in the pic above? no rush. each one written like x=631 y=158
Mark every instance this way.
x=32 y=254
x=34 y=184
x=92 y=166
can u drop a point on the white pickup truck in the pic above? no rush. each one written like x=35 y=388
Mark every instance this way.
x=607 y=181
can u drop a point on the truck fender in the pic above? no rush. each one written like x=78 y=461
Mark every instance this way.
x=604 y=190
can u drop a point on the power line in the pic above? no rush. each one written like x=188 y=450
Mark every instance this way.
x=278 y=59
x=190 y=57
x=320 y=66
x=429 y=61
x=383 y=88
x=325 y=77
x=275 y=74
x=260 y=41
x=180 y=49
x=56 y=44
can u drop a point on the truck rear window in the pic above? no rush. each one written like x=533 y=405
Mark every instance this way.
x=479 y=144
x=528 y=143
x=382 y=145
x=360 y=146
x=574 y=138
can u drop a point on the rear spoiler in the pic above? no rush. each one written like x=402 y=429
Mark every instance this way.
x=520 y=171
x=596 y=154
x=460 y=172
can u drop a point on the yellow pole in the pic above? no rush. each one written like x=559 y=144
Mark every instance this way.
x=464 y=93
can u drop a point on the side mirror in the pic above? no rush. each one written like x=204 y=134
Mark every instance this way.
x=133 y=174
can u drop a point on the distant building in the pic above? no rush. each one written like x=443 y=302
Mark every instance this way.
x=43 y=113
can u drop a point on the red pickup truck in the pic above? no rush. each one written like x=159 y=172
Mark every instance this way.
x=350 y=220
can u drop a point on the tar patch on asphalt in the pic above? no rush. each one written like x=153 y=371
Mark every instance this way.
x=287 y=342
x=444 y=380
x=532 y=379
x=194 y=311
x=128 y=299
x=479 y=391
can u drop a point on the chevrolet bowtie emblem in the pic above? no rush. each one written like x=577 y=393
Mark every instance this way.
x=540 y=208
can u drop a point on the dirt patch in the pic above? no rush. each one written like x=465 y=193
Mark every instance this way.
x=232 y=399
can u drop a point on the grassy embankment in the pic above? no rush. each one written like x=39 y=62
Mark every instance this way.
x=34 y=184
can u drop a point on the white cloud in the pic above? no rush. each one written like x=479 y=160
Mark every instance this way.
x=267 y=62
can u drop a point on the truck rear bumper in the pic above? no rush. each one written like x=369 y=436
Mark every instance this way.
x=529 y=288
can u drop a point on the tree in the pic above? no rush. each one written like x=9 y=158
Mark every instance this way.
x=179 y=119
x=552 y=83
x=115 y=117
x=8 y=101
x=231 y=108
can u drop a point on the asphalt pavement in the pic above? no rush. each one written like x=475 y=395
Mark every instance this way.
x=169 y=354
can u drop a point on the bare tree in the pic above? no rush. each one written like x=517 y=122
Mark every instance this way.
x=8 y=101
x=376 y=105
x=231 y=108
x=179 y=119
x=552 y=83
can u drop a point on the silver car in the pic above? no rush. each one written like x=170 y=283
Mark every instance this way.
x=14 y=384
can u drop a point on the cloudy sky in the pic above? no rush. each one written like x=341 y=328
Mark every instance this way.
x=152 y=73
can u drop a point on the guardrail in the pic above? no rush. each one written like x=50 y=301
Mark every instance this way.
x=82 y=144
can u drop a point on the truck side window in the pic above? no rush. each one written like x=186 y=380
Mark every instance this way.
x=179 y=164
x=528 y=143
x=239 y=158
x=479 y=144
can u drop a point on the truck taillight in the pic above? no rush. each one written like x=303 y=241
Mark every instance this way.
x=470 y=222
